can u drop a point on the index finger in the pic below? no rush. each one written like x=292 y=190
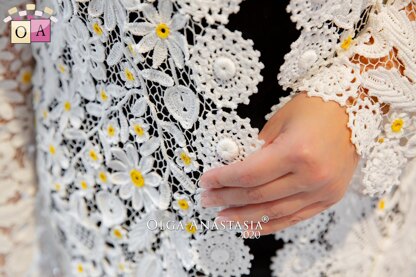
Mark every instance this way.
x=263 y=166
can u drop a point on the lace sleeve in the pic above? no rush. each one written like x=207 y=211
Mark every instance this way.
x=361 y=54
x=17 y=181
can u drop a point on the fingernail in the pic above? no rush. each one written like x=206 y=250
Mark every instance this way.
x=204 y=184
x=222 y=219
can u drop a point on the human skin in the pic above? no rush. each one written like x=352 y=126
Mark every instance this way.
x=304 y=167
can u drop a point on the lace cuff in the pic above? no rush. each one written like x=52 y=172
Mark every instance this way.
x=370 y=71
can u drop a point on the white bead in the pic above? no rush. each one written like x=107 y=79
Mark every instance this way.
x=224 y=68
x=228 y=149
x=220 y=255
x=308 y=59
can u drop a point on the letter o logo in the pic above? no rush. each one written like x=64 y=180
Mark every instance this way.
x=18 y=32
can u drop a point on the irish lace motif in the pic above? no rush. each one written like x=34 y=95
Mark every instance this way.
x=131 y=118
x=139 y=99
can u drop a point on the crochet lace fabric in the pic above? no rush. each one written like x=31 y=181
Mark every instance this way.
x=17 y=175
x=361 y=54
x=135 y=99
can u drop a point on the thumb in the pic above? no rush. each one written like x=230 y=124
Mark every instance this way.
x=272 y=129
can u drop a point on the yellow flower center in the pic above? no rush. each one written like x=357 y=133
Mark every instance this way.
x=103 y=95
x=190 y=228
x=163 y=31
x=346 y=43
x=97 y=29
x=397 y=125
x=186 y=159
x=129 y=75
x=137 y=178
x=111 y=131
x=382 y=204
x=84 y=185
x=58 y=187
x=131 y=49
x=183 y=204
x=118 y=234
x=381 y=140
x=121 y=267
x=67 y=106
x=80 y=268
x=93 y=155
x=45 y=114
x=27 y=77
x=102 y=176
x=138 y=129
x=61 y=68
x=52 y=149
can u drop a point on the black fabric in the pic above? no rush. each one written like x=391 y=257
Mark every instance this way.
x=268 y=24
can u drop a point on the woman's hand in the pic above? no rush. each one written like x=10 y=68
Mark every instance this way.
x=304 y=168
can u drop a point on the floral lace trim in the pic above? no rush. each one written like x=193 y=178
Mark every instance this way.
x=138 y=101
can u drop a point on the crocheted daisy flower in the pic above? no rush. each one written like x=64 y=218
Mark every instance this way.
x=60 y=183
x=397 y=125
x=97 y=29
x=85 y=184
x=111 y=130
x=225 y=67
x=89 y=54
x=186 y=159
x=161 y=33
x=136 y=178
x=56 y=154
x=92 y=156
x=129 y=76
x=139 y=129
x=182 y=204
x=68 y=110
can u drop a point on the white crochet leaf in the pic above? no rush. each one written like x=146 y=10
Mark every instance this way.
x=124 y=127
x=157 y=77
x=116 y=90
x=391 y=87
x=149 y=147
x=115 y=54
x=402 y=34
x=165 y=197
x=175 y=132
x=183 y=179
x=183 y=104
x=94 y=109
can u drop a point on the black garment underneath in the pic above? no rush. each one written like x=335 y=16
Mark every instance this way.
x=268 y=24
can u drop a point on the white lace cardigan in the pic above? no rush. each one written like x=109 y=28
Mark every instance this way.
x=134 y=99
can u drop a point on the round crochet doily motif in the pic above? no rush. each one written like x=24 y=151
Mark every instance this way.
x=226 y=68
x=222 y=254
